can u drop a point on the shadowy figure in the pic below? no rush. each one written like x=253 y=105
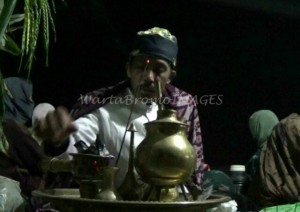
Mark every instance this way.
x=18 y=100
x=20 y=153
x=261 y=124
x=278 y=181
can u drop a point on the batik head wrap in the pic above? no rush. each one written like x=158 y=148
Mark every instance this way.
x=157 y=42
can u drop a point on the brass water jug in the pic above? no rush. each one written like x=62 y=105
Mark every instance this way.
x=165 y=157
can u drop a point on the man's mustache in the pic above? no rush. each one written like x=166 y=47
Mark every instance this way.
x=147 y=85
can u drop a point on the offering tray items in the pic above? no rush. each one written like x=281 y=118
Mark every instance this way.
x=68 y=200
x=87 y=166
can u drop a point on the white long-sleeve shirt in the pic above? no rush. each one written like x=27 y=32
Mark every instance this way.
x=108 y=123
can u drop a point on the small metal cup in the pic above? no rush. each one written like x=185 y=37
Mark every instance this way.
x=89 y=188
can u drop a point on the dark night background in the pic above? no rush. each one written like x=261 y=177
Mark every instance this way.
x=247 y=53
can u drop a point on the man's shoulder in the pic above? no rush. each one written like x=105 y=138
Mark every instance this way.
x=112 y=90
x=178 y=97
x=175 y=91
x=93 y=100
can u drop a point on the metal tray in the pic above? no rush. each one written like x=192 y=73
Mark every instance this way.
x=68 y=200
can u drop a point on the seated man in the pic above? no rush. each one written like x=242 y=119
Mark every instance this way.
x=153 y=59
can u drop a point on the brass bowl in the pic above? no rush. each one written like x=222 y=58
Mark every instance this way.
x=68 y=200
x=88 y=166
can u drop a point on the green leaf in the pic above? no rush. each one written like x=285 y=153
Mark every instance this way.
x=16 y=18
x=5 y=15
x=9 y=45
x=1 y=5
x=2 y=98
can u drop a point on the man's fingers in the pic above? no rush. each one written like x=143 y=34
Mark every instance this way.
x=71 y=128
x=57 y=125
x=64 y=119
x=51 y=126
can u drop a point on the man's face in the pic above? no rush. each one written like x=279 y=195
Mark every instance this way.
x=144 y=71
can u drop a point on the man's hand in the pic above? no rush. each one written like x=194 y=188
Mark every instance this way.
x=56 y=126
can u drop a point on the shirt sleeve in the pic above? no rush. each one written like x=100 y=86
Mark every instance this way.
x=88 y=128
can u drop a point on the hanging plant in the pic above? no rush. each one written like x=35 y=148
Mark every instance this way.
x=37 y=16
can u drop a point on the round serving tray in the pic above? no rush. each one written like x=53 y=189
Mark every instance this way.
x=68 y=200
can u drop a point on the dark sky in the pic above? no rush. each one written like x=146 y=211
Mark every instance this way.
x=247 y=57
